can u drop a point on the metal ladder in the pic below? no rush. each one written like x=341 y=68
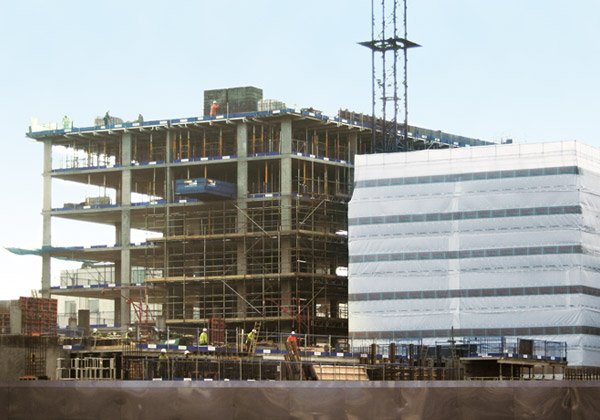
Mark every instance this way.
x=252 y=346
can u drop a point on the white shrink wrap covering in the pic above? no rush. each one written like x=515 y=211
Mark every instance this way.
x=488 y=241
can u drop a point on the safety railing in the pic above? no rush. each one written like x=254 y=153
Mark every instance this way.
x=198 y=367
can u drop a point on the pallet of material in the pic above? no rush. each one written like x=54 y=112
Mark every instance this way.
x=339 y=373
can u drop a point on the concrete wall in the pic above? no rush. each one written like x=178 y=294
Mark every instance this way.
x=12 y=363
x=14 y=353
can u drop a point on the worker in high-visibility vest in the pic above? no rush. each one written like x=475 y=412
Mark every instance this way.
x=213 y=109
x=163 y=364
x=249 y=339
x=292 y=338
x=204 y=337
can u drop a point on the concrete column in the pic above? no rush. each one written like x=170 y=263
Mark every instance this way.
x=168 y=193
x=242 y=195
x=352 y=146
x=118 y=231
x=286 y=193
x=16 y=318
x=286 y=294
x=118 y=268
x=168 y=310
x=242 y=171
x=286 y=174
x=242 y=140
x=123 y=318
x=83 y=320
x=242 y=221
x=118 y=304
x=242 y=306
x=46 y=217
x=286 y=136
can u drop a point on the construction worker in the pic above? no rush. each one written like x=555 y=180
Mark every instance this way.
x=106 y=118
x=213 y=109
x=204 y=337
x=129 y=333
x=66 y=123
x=95 y=335
x=185 y=368
x=249 y=339
x=292 y=338
x=163 y=364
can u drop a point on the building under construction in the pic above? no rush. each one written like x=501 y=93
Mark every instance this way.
x=246 y=215
x=246 y=210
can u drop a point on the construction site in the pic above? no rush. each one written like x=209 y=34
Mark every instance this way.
x=248 y=221
x=245 y=214
x=244 y=272
x=292 y=259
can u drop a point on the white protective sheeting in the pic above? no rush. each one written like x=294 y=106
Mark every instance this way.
x=490 y=240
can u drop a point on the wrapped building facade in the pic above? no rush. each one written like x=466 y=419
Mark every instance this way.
x=494 y=241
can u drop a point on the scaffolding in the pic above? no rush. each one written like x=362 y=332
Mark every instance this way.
x=221 y=261
x=269 y=253
x=273 y=250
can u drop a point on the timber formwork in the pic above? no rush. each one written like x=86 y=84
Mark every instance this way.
x=271 y=254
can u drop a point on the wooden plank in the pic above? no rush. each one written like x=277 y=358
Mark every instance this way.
x=340 y=373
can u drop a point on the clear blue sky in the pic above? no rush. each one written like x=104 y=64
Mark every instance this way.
x=526 y=70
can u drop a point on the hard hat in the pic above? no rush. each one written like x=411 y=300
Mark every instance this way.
x=163 y=350
x=95 y=330
x=186 y=352
x=253 y=331
x=130 y=329
x=204 y=329
x=293 y=332
x=214 y=102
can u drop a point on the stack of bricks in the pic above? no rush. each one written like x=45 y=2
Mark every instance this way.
x=39 y=315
